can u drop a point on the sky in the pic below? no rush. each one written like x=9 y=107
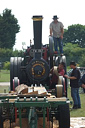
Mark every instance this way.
x=69 y=12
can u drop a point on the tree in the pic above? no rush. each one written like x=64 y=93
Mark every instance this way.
x=8 y=29
x=74 y=53
x=6 y=53
x=82 y=60
x=75 y=34
x=6 y=65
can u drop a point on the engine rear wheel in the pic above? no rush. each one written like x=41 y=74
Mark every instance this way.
x=64 y=116
x=60 y=59
x=63 y=59
x=15 y=63
x=15 y=67
x=11 y=72
x=57 y=60
x=51 y=51
x=19 y=60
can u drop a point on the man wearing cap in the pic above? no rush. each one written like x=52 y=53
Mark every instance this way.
x=56 y=30
x=74 y=79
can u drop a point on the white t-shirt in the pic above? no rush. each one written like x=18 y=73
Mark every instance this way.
x=56 y=28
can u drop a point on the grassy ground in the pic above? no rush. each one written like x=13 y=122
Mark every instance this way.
x=5 y=77
x=77 y=112
x=4 y=89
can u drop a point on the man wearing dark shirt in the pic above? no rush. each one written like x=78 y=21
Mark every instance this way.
x=74 y=78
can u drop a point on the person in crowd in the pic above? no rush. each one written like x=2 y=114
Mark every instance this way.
x=55 y=72
x=82 y=82
x=74 y=78
x=57 y=31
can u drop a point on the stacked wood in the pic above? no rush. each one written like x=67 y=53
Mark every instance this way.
x=24 y=89
x=41 y=90
x=21 y=88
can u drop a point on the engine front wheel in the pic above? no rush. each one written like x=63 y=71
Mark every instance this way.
x=1 y=119
x=16 y=82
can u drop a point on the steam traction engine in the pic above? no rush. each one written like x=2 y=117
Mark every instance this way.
x=33 y=70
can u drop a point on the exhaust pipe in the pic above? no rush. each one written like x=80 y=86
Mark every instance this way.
x=37 y=26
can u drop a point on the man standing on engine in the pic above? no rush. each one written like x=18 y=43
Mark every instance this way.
x=56 y=30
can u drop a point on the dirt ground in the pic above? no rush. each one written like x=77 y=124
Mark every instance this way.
x=78 y=122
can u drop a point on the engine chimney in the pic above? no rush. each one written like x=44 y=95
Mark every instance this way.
x=37 y=25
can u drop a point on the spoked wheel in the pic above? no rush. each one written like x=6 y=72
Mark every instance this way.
x=15 y=63
x=60 y=87
x=11 y=72
x=60 y=59
x=1 y=119
x=64 y=116
x=59 y=90
x=62 y=82
x=51 y=51
x=63 y=59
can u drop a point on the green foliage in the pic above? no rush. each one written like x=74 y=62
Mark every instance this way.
x=74 y=53
x=8 y=29
x=82 y=60
x=75 y=34
x=18 y=53
x=5 y=54
x=6 y=65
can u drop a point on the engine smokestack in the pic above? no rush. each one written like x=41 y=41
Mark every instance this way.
x=37 y=26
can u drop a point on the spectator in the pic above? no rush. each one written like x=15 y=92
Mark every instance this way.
x=74 y=78
x=82 y=82
x=56 y=30
x=55 y=73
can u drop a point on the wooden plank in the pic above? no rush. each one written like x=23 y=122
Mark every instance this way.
x=57 y=99
x=41 y=90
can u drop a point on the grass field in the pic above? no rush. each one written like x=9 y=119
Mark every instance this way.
x=4 y=89
x=5 y=77
x=77 y=112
